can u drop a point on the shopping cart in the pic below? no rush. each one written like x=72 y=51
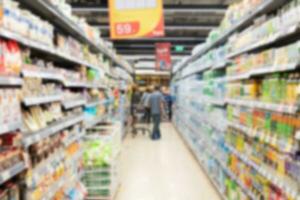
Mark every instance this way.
x=139 y=123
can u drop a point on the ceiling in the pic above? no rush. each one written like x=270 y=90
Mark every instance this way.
x=187 y=23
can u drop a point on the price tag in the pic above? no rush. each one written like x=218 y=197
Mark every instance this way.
x=127 y=28
x=297 y=135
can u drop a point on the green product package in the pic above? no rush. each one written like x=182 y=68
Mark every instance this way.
x=268 y=122
x=97 y=153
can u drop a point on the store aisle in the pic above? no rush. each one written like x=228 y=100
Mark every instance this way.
x=163 y=170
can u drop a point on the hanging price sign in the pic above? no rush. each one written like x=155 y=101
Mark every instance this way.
x=136 y=19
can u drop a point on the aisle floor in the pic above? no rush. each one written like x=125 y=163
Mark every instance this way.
x=161 y=170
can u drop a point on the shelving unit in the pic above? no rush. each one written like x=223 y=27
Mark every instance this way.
x=232 y=127
x=30 y=101
x=48 y=88
x=55 y=16
x=68 y=104
x=266 y=7
x=50 y=130
x=11 y=172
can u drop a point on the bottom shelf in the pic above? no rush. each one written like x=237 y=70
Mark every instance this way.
x=210 y=178
x=223 y=193
x=11 y=172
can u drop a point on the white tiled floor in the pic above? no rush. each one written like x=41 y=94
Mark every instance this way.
x=161 y=170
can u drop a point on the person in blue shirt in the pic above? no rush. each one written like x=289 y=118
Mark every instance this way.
x=156 y=103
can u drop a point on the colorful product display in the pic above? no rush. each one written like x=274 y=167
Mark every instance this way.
x=278 y=89
x=268 y=27
x=102 y=146
x=249 y=144
x=25 y=23
x=48 y=78
x=277 y=58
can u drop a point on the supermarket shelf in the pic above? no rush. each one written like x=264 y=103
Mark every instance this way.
x=55 y=188
x=291 y=109
x=46 y=167
x=54 y=15
x=42 y=74
x=75 y=157
x=94 y=122
x=73 y=138
x=209 y=100
x=74 y=84
x=215 y=101
x=194 y=71
x=95 y=86
x=30 y=101
x=43 y=47
x=71 y=183
x=34 y=137
x=266 y=7
x=205 y=120
x=95 y=103
x=246 y=130
x=263 y=71
x=283 y=182
x=215 y=66
x=266 y=138
x=221 y=65
x=10 y=127
x=68 y=104
x=238 y=77
x=11 y=172
x=277 y=37
x=225 y=169
x=10 y=81
x=237 y=180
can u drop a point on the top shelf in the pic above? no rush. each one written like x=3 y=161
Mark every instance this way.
x=45 y=9
x=266 y=7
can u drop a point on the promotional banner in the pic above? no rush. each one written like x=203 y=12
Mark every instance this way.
x=163 y=56
x=136 y=19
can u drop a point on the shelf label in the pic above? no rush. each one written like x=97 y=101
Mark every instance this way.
x=136 y=19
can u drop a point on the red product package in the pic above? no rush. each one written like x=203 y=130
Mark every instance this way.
x=11 y=139
x=13 y=57
x=2 y=57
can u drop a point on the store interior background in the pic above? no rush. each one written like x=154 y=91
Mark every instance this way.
x=71 y=127
x=187 y=24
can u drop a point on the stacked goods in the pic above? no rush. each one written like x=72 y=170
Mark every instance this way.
x=102 y=146
x=255 y=153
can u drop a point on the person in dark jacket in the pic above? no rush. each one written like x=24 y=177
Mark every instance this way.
x=145 y=103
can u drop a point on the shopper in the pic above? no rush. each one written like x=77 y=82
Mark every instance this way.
x=169 y=102
x=156 y=103
x=135 y=98
x=134 y=103
x=145 y=104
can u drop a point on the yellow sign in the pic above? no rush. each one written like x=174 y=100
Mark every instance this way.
x=136 y=18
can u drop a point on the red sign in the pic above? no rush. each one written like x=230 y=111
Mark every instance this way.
x=163 y=56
